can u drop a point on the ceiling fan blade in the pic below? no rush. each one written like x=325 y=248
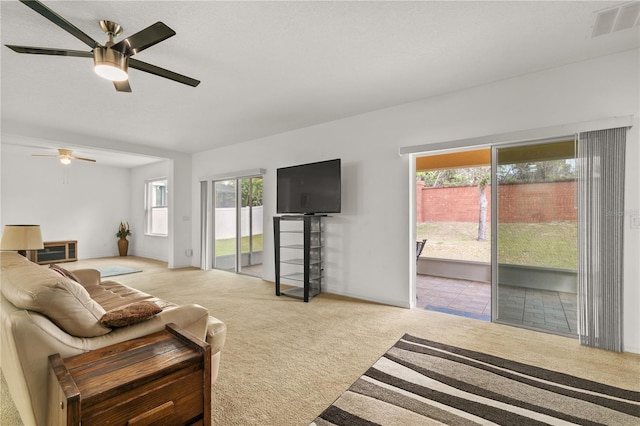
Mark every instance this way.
x=161 y=72
x=44 y=155
x=122 y=86
x=47 y=51
x=83 y=159
x=61 y=22
x=141 y=40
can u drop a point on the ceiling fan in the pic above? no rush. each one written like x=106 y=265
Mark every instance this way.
x=65 y=156
x=111 y=60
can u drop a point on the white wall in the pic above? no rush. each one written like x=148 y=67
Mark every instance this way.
x=149 y=246
x=369 y=245
x=118 y=195
x=82 y=201
x=180 y=224
x=175 y=248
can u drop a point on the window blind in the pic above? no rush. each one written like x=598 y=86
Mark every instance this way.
x=601 y=163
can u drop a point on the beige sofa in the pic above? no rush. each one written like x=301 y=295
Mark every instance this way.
x=44 y=312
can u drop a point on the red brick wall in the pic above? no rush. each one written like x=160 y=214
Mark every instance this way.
x=519 y=203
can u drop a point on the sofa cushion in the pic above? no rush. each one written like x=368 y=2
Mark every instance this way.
x=130 y=314
x=64 y=301
x=113 y=295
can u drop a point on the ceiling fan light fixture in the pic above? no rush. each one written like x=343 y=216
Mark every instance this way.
x=111 y=60
x=110 y=64
x=65 y=160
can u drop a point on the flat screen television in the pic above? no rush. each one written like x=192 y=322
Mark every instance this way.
x=313 y=188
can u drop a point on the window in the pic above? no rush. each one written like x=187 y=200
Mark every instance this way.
x=157 y=207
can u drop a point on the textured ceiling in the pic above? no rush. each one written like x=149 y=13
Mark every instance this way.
x=270 y=67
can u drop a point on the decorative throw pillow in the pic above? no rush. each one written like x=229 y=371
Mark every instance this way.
x=130 y=314
x=64 y=272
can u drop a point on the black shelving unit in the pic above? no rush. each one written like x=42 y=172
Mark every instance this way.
x=298 y=254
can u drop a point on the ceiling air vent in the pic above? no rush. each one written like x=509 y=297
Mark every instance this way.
x=621 y=17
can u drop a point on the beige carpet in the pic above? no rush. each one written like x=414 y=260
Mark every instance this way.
x=285 y=361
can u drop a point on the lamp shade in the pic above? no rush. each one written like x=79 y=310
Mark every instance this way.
x=21 y=237
x=110 y=64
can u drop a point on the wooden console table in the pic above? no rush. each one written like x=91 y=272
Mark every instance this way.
x=162 y=378
x=56 y=252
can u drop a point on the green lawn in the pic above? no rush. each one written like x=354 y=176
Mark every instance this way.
x=551 y=245
x=228 y=246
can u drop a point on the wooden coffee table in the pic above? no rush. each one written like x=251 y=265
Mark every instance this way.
x=162 y=378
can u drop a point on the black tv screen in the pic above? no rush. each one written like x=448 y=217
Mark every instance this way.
x=309 y=188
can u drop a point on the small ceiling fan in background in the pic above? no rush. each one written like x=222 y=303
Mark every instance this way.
x=111 y=60
x=65 y=156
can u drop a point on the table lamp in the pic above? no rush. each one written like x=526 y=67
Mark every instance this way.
x=21 y=238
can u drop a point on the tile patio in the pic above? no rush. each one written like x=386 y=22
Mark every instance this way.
x=546 y=310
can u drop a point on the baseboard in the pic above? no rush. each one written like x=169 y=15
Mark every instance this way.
x=390 y=302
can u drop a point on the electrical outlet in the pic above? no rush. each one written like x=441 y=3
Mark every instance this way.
x=635 y=221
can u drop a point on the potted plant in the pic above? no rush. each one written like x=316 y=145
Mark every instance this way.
x=123 y=233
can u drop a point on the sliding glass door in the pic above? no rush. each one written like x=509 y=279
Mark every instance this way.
x=534 y=253
x=237 y=225
x=251 y=226
x=225 y=225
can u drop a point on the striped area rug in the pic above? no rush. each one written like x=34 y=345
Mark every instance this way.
x=420 y=382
